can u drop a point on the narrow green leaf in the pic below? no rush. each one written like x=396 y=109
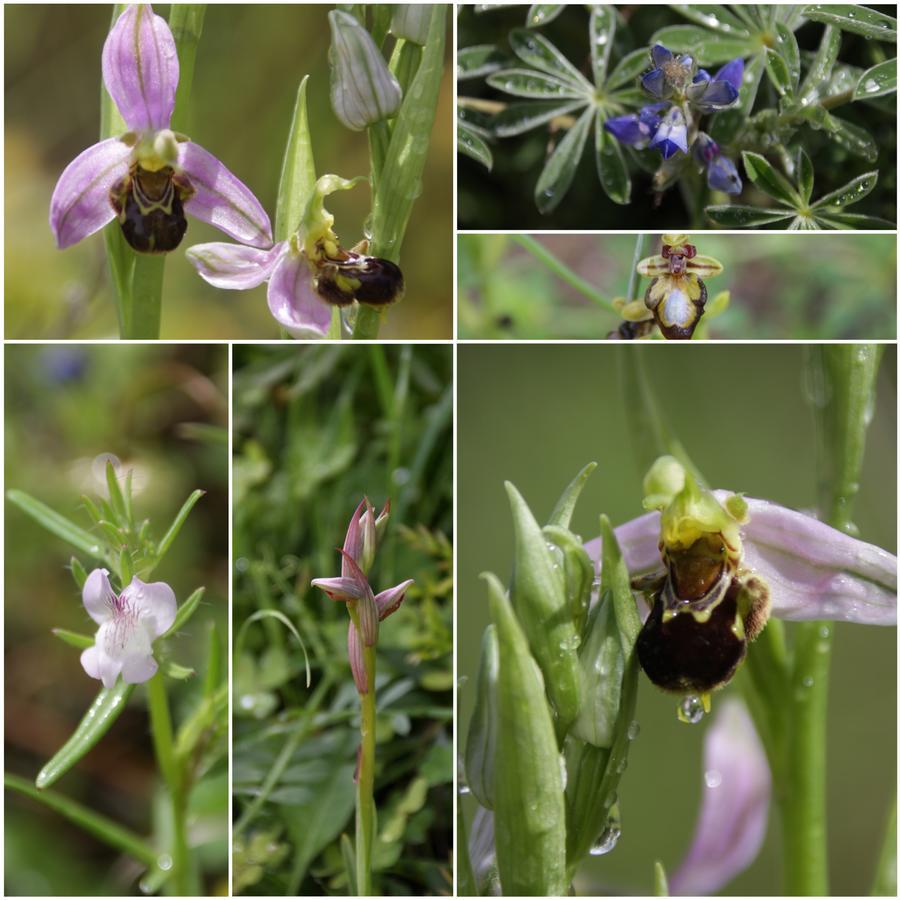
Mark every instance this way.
x=298 y=171
x=177 y=522
x=852 y=192
x=478 y=61
x=805 y=176
x=565 y=506
x=518 y=118
x=615 y=579
x=660 y=882
x=59 y=525
x=529 y=812
x=538 y=595
x=185 y=611
x=768 y=179
x=258 y=616
x=473 y=146
x=542 y=13
x=611 y=166
x=815 y=85
x=854 y=220
x=96 y=722
x=348 y=855
x=105 y=830
x=779 y=74
x=126 y=572
x=790 y=53
x=559 y=172
x=707 y=48
x=214 y=669
x=885 y=883
x=172 y=669
x=535 y=50
x=186 y=24
x=877 y=81
x=628 y=68
x=854 y=18
x=602 y=32
x=78 y=572
x=533 y=85
x=465 y=875
x=716 y=18
x=746 y=216
x=481 y=742
x=73 y=638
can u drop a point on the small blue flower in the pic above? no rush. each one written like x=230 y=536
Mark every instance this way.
x=671 y=136
x=721 y=172
x=636 y=129
x=670 y=74
x=710 y=94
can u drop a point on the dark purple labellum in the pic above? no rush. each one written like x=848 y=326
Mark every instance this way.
x=150 y=208
x=366 y=279
x=683 y=330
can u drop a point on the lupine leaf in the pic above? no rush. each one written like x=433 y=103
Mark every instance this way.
x=535 y=50
x=628 y=68
x=790 y=53
x=805 y=175
x=96 y=722
x=542 y=13
x=820 y=70
x=877 y=81
x=858 y=19
x=768 y=179
x=518 y=118
x=611 y=168
x=533 y=85
x=746 y=216
x=853 y=220
x=473 y=145
x=478 y=61
x=58 y=525
x=779 y=74
x=601 y=31
x=852 y=192
x=706 y=47
x=559 y=172
x=716 y=18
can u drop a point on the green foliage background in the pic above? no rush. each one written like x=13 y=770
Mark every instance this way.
x=162 y=411
x=534 y=415
x=249 y=63
x=315 y=429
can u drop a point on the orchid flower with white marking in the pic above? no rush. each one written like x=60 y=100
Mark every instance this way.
x=149 y=177
x=129 y=623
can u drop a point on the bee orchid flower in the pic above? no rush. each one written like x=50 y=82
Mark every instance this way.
x=308 y=274
x=129 y=623
x=149 y=177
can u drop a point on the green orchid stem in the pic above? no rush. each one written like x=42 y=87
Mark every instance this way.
x=368 y=323
x=365 y=787
x=634 y=280
x=169 y=767
x=142 y=314
x=561 y=270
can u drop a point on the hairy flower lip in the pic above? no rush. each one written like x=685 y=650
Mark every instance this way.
x=813 y=571
x=140 y=72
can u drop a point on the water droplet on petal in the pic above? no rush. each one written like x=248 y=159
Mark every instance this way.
x=690 y=710
x=713 y=778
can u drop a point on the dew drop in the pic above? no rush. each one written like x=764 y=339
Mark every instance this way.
x=607 y=841
x=164 y=861
x=690 y=710
x=634 y=729
x=464 y=790
x=712 y=777
x=563 y=771
x=808 y=681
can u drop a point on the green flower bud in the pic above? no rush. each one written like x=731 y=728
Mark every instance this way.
x=410 y=21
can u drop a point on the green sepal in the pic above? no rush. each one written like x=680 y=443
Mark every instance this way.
x=298 y=171
x=578 y=572
x=565 y=506
x=177 y=522
x=78 y=572
x=185 y=611
x=481 y=743
x=73 y=638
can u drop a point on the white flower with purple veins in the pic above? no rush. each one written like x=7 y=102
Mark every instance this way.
x=129 y=623
x=149 y=177
x=308 y=274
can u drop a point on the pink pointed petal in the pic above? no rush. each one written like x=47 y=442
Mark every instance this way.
x=294 y=303
x=341 y=589
x=234 y=267
x=138 y=669
x=735 y=805
x=353 y=538
x=389 y=601
x=80 y=203
x=222 y=199
x=155 y=603
x=140 y=68
x=357 y=663
x=98 y=597
x=356 y=574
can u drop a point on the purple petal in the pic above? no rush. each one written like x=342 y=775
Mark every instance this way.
x=654 y=82
x=671 y=136
x=368 y=619
x=98 y=597
x=702 y=75
x=735 y=805
x=357 y=663
x=340 y=589
x=293 y=301
x=722 y=175
x=389 y=601
x=356 y=574
x=90 y=661
x=140 y=68
x=629 y=130
x=138 y=669
x=80 y=203
x=222 y=199
x=100 y=664
x=234 y=267
x=660 y=55
x=704 y=149
x=353 y=538
x=732 y=73
x=717 y=95
x=155 y=603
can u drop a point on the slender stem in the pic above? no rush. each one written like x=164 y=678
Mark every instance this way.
x=368 y=323
x=561 y=270
x=164 y=745
x=365 y=787
x=143 y=314
x=634 y=280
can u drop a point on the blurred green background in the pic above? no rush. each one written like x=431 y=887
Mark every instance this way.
x=316 y=429
x=783 y=287
x=249 y=64
x=534 y=416
x=163 y=412
x=504 y=197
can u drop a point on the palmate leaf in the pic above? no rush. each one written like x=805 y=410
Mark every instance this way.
x=559 y=172
x=857 y=19
x=535 y=50
x=478 y=61
x=628 y=68
x=732 y=216
x=877 y=81
x=717 y=18
x=533 y=85
x=768 y=179
x=611 y=167
x=543 y=13
x=707 y=47
x=471 y=144
x=822 y=65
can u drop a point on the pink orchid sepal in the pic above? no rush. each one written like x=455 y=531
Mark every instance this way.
x=149 y=176
x=129 y=623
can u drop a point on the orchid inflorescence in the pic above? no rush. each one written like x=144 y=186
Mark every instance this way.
x=148 y=177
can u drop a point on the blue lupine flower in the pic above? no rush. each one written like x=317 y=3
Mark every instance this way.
x=721 y=172
x=671 y=136
x=637 y=129
x=710 y=94
x=669 y=73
